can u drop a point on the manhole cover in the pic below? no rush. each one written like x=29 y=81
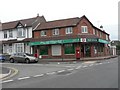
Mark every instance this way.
x=64 y=73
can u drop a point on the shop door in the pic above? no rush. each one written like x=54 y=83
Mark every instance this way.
x=85 y=50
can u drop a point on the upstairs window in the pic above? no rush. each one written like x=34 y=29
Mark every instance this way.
x=84 y=29
x=107 y=37
x=43 y=33
x=21 y=32
x=55 y=31
x=5 y=34
x=69 y=30
x=10 y=34
x=94 y=31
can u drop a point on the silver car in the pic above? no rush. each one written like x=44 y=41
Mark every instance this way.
x=22 y=57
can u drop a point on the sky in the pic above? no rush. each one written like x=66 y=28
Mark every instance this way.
x=99 y=12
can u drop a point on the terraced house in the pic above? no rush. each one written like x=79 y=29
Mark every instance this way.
x=69 y=38
x=14 y=35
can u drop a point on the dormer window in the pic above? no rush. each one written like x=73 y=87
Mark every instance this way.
x=84 y=29
x=21 y=33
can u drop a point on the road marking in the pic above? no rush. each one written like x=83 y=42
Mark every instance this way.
x=85 y=66
x=78 y=67
x=60 y=71
x=23 y=78
x=50 y=73
x=91 y=64
x=39 y=75
x=70 y=69
x=7 y=81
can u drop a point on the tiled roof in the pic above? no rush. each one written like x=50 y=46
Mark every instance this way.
x=59 y=23
x=24 y=22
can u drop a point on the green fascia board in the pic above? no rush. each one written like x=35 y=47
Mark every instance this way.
x=103 y=41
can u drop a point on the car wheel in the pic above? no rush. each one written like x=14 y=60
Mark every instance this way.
x=11 y=60
x=27 y=60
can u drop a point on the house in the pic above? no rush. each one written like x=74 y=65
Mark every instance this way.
x=13 y=34
x=67 y=37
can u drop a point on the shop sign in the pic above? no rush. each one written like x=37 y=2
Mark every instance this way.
x=91 y=40
x=103 y=41
x=54 y=42
x=83 y=40
x=71 y=40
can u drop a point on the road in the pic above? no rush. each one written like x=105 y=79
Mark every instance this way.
x=103 y=74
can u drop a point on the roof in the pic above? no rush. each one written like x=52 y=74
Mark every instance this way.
x=24 y=22
x=59 y=23
x=64 y=23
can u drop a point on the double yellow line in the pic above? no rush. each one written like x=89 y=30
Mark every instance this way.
x=15 y=71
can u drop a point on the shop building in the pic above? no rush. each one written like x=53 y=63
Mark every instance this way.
x=69 y=38
x=14 y=35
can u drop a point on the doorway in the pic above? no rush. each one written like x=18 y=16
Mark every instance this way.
x=85 y=50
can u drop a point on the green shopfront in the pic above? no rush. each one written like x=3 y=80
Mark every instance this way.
x=89 y=47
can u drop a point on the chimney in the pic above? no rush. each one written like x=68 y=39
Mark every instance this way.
x=101 y=27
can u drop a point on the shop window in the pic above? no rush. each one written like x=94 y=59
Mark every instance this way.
x=69 y=49
x=43 y=50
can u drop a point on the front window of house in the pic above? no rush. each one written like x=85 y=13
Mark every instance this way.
x=43 y=33
x=10 y=34
x=10 y=48
x=5 y=34
x=21 y=32
x=84 y=29
x=19 y=47
x=69 y=30
x=55 y=31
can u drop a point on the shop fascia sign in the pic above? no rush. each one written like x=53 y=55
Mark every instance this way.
x=54 y=42
x=88 y=40
x=103 y=41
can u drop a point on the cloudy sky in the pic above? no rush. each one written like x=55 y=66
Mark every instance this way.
x=99 y=12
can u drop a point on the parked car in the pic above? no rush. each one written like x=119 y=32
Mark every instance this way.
x=2 y=58
x=22 y=57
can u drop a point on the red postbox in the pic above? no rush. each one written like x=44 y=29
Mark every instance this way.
x=77 y=53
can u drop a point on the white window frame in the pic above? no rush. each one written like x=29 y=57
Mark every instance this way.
x=106 y=37
x=69 y=30
x=10 y=34
x=19 y=47
x=43 y=33
x=5 y=34
x=84 y=29
x=21 y=32
x=55 y=31
x=94 y=31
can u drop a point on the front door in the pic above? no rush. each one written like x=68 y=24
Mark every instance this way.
x=85 y=50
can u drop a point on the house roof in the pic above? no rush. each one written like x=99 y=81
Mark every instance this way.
x=64 y=23
x=24 y=22
x=58 y=23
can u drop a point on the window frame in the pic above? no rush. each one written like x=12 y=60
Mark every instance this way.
x=43 y=33
x=84 y=29
x=20 y=31
x=69 y=30
x=55 y=31
x=5 y=34
x=10 y=34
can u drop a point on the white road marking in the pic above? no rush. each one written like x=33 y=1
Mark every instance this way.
x=50 y=73
x=39 y=75
x=70 y=69
x=7 y=81
x=85 y=66
x=78 y=67
x=60 y=71
x=91 y=64
x=23 y=78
